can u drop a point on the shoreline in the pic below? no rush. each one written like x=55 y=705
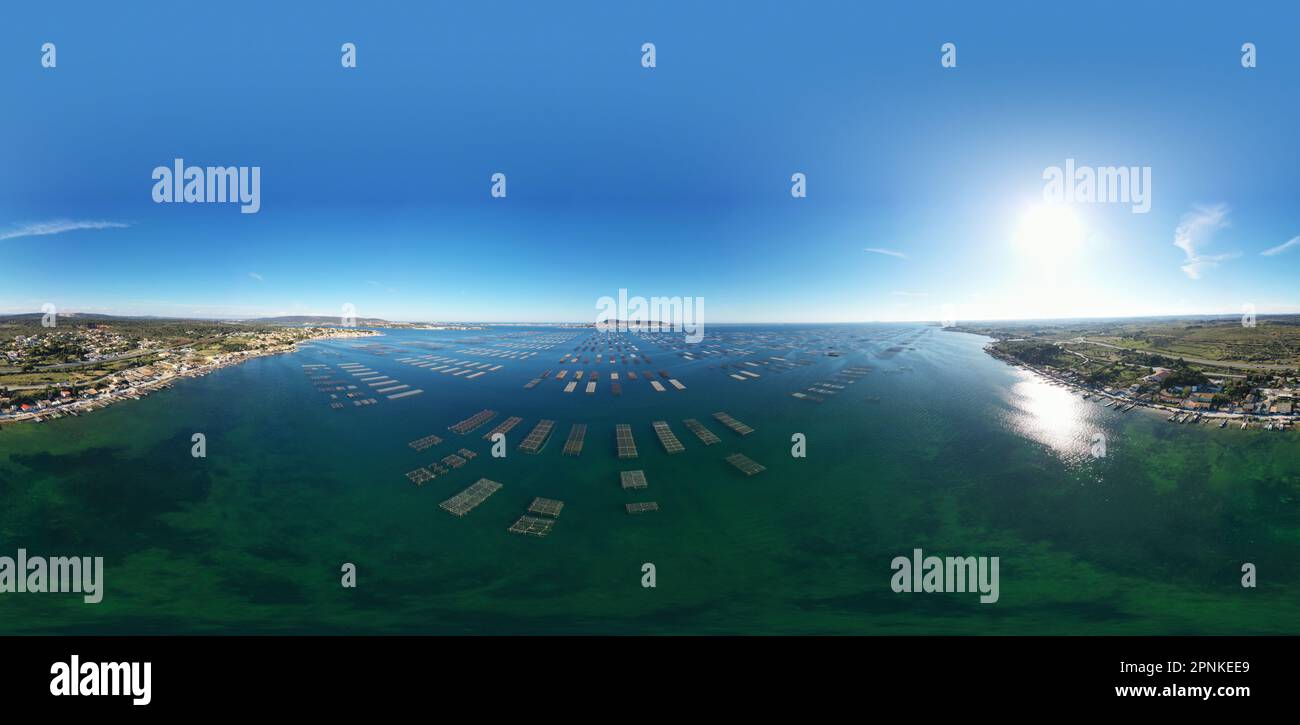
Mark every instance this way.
x=77 y=408
x=1194 y=416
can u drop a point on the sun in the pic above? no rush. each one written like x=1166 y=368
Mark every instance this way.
x=1049 y=233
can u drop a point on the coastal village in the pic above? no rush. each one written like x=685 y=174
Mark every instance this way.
x=1220 y=401
x=76 y=369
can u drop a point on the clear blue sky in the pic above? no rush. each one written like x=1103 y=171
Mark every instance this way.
x=666 y=181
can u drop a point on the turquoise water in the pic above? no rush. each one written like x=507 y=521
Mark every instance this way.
x=940 y=447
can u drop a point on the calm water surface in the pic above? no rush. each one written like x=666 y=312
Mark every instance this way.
x=940 y=447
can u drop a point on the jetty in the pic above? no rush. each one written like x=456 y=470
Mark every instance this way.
x=467 y=500
x=704 y=434
x=632 y=479
x=472 y=422
x=746 y=465
x=536 y=439
x=577 y=433
x=503 y=427
x=667 y=437
x=733 y=424
x=626 y=444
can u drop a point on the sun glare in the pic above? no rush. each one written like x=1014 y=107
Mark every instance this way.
x=1049 y=232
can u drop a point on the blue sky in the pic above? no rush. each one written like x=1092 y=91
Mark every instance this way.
x=666 y=181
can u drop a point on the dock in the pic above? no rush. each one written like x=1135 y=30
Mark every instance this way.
x=467 y=500
x=705 y=435
x=632 y=479
x=626 y=444
x=472 y=422
x=642 y=507
x=667 y=437
x=746 y=465
x=536 y=439
x=504 y=426
x=428 y=441
x=733 y=424
x=577 y=433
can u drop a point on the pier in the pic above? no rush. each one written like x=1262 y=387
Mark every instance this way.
x=746 y=465
x=667 y=437
x=733 y=424
x=469 y=499
x=536 y=439
x=626 y=444
x=577 y=433
x=704 y=434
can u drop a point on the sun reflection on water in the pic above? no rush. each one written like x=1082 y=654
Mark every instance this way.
x=1054 y=416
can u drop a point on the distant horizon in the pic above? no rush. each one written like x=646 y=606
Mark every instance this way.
x=579 y=323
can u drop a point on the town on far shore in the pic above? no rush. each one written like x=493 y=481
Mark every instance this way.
x=85 y=362
x=1225 y=370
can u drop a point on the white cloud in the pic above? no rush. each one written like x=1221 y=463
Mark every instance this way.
x=58 y=226
x=256 y=276
x=1194 y=233
x=889 y=252
x=1281 y=247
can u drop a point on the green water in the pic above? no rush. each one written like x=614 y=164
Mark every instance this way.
x=962 y=455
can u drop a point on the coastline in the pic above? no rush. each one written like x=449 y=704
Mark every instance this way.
x=77 y=408
x=1275 y=422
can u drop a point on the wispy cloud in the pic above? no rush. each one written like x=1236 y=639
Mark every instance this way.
x=256 y=276
x=58 y=226
x=1281 y=247
x=888 y=252
x=1194 y=233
